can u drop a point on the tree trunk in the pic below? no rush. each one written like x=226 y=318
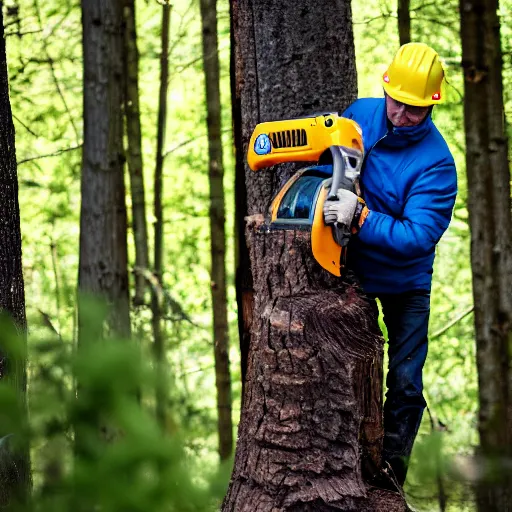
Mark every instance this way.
x=157 y=291
x=103 y=249
x=312 y=407
x=217 y=227
x=15 y=476
x=404 y=21
x=134 y=152
x=281 y=69
x=313 y=404
x=490 y=221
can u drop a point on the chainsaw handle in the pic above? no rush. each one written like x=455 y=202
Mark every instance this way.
x=338 y=172
x=346 y=165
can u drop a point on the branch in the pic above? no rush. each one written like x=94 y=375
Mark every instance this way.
x=52 y=67
x=435 y=21
x=185 y=66
x=57 y=153
x=161 y=293
x=197 y=370
x=452 y=323
x=461 y=97
x=369 y=20
x=180 y=31
x=20 y=34
x=47 y=322
x=422 y=6
x=25 y=126
x=182 y=67
x=189 y=141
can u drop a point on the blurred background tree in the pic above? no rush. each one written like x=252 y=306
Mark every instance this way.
x=15 y=477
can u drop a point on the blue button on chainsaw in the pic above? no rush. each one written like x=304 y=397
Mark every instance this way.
x=262 y=145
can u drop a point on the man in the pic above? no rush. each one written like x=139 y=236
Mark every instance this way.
x=409 y=184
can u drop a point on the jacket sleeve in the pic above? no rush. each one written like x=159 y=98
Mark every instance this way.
x=425 y=217
x=349 y=111
x=353 y=111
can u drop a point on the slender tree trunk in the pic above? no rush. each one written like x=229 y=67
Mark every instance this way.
x=15 y=479
x=312 y=409
x=404 y=21
x=489 y=207
x=103 y=254
x=157 y=292
x=217 y=227
x=134 y=152
x=103 y=248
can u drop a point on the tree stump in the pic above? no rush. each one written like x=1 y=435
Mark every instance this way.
x=312 y=408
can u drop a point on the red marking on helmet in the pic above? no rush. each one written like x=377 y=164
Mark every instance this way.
x=386 y=78
x=436 y=96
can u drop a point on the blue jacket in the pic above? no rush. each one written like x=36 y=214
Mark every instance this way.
x=409 y=184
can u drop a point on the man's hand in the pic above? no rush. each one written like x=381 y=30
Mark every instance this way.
x=341 y=210
x=347 y=213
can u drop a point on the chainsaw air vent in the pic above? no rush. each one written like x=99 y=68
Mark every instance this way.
x=289 y=138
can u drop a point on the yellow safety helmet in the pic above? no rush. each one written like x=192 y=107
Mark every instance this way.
x=415 y=76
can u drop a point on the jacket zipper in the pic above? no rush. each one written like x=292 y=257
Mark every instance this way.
x=364 y=160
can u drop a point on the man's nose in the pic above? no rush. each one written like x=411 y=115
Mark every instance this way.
x=401 y=110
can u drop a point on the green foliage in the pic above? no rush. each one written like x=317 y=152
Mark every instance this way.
x=100 y=446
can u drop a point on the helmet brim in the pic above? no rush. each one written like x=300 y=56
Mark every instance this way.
x=409 y=99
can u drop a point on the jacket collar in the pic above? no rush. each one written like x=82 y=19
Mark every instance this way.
x=403 y=136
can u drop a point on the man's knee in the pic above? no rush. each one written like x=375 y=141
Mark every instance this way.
x=399 y=400
x=405 y=380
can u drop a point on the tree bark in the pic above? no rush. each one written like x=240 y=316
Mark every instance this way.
x=15 y=478
x=134 y=152
x=404 y=21
x=103 y=271
x=157 y=291
x=490 y=221
x=217 y=227
x=312 y=407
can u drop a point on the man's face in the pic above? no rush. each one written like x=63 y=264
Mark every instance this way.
x=401 y=114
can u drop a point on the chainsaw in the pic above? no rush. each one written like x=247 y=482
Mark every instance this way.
x=335 y=144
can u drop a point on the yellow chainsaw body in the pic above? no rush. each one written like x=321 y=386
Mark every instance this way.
x=301 y=140
x=326 y=251
x=299 y=203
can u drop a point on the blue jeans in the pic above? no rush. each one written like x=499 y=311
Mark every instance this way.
x=406 y=317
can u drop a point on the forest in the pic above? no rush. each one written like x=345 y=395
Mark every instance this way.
x=133 y=284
